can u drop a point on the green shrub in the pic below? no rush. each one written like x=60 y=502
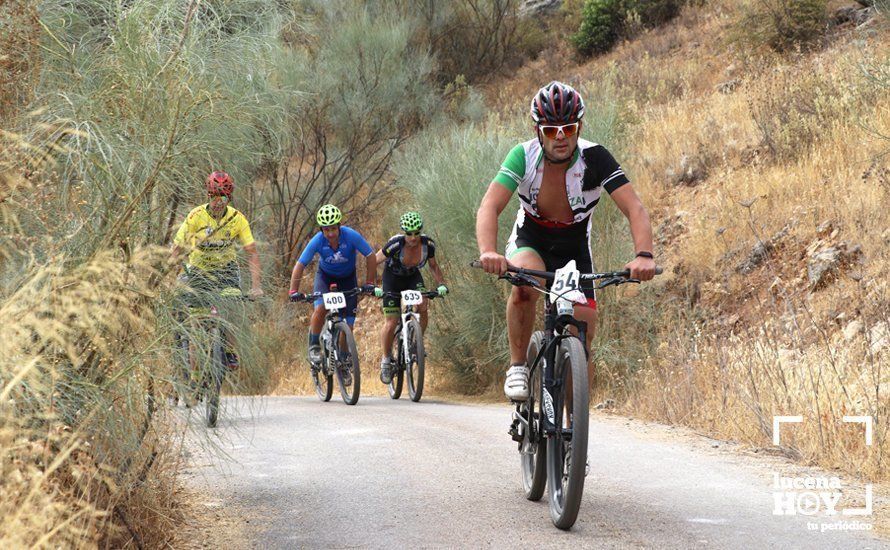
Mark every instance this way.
x=603 y=22
x=782 y=24
x=651 y=13
x=799 y=107
x=473 y=38
x=600 y=28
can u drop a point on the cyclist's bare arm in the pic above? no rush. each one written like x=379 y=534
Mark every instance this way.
x=437 y=272
x=627 y=200
x=380 y=256
x=493 y=203
x=253 y=263
x=371 y=269
x=296 y=276
x=177 y=253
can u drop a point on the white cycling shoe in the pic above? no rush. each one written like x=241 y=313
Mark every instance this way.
x=516 y=385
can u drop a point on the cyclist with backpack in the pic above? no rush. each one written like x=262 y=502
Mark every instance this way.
x=404 y=255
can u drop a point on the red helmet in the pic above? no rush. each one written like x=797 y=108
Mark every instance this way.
x=557 y=103
x=220 y=183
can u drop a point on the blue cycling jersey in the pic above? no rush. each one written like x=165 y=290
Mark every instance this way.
x=339 y=262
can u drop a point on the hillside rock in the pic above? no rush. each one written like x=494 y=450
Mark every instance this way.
x=858 y=16
x=671 y=228
x=879 y=337
x=689 y=171
x=538 y=7
x=729 y=86
x=761 y=251
x=852 y=329
x=825 y=261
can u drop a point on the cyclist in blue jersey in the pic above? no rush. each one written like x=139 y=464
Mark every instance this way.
x=337 y=247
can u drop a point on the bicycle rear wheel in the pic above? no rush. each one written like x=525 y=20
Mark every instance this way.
x=567 y=449
x=213 y=380
x=349 y=377
x=416 y=360
x=398 y=375
x=532 y=449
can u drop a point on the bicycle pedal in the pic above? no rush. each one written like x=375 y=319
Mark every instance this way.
x=514 y=432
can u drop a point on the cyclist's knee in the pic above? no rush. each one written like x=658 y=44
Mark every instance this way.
x=527 y=258
x=523 y=295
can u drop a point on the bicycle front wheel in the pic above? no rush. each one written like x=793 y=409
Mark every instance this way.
x=349 y=377
x=324 y=384
x=213 y=381
x=416 y=360
x=567 y=448
x=398 y=376
x=532 y=450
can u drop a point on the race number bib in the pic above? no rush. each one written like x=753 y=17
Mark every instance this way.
x=334 y=301
x=566 y=286
x=411 y=298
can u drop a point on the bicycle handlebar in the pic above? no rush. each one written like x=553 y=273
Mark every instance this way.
x=426 y=293
x=346 y=293
x=523 y=276
x=550 y=275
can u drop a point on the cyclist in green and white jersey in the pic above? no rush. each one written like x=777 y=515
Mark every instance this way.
x=559 y=179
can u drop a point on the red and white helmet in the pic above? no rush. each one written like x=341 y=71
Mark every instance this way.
x=220 y=183
x=557 y=103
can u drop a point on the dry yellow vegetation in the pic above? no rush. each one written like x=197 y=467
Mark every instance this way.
x=759 y=171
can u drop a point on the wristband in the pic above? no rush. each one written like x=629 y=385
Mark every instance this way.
x=645 y=254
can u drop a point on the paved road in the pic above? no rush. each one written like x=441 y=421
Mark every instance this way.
x=388 y=474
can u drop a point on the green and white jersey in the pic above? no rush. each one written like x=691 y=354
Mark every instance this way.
x=591 y=170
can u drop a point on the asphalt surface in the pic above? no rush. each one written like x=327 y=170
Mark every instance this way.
x=396 y=474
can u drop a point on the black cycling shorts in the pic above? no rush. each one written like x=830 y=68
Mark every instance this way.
x=392 y=305
x=556 y=246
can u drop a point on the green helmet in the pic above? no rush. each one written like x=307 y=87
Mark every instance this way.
x=328 y=215
x=411 y=221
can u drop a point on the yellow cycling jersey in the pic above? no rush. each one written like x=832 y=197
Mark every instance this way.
x=211 y=242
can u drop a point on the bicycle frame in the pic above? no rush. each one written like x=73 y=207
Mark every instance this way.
x=330 y=353
x=332 y=317
x=408 y=313
x=555 y=330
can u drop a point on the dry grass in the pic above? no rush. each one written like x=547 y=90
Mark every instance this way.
x=83 y=458
x=728 y=148
x=786 y=149
x=80 y=452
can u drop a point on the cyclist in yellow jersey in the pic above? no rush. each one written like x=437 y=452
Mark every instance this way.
x=208 y=234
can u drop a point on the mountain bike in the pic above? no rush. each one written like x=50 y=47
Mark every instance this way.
x=207 y=385
x=338 y=351
x=410 y=357
x=551 y=426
